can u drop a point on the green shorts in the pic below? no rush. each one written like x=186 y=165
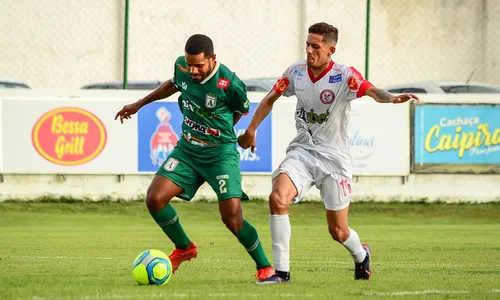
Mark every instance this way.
x=187 y=167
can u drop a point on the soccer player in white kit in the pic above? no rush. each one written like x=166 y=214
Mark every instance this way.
x=319 y=154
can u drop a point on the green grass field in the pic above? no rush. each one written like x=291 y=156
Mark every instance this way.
x=85 y=251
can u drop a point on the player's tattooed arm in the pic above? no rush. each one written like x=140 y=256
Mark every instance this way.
x=383 y=96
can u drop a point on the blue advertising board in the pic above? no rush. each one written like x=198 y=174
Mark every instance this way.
x=457 y=134
x=160 y=129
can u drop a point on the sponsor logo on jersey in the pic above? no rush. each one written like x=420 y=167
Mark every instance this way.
x=223 y=83
x=163 y=139
x=281 y=85
x=182 y=68
x=200 y=112
x=335 y=78
x=246 y=104
x=210 y=101
x=184 y=85
x=311 y=116
x=352 y=83
x=327 y=97
x=201 y=128
x=69 y=136
x=298 y=72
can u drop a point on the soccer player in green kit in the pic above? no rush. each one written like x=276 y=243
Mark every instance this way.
x=212 y=101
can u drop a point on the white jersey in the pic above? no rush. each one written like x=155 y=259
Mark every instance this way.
x=322 y=112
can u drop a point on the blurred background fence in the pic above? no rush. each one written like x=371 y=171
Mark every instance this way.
x=70 y=43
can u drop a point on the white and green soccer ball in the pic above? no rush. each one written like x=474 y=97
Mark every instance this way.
x=152 y=267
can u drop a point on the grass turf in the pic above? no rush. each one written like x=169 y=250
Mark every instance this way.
x=81 y=250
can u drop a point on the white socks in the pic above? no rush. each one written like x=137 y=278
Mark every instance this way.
x=281 y=232
x=353 y=245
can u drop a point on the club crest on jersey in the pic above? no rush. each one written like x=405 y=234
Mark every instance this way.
x=223 y=83
x=170 y=164
x=327 y=97
x=335 y=78
x=210 y=101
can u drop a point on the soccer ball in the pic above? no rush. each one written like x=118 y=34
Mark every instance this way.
x=152 y=267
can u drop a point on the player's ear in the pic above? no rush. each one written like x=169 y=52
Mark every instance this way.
x=212 y=57
x=332 y=50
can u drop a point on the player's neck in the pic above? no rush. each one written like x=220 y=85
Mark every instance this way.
x=316 y=71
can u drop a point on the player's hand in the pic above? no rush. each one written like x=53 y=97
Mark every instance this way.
x=127 y=111
x=247 y=140
x=403 y=98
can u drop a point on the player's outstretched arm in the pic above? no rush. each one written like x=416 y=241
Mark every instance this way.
x=265 y=106
x=165 y=90
x=383 y=96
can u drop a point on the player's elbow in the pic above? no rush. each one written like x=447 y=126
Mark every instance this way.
x=372 y=93
x=271 y=98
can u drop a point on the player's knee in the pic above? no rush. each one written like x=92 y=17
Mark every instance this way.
x=155 y=201
x=338 y=233
x=233 y=222
x=278 y=203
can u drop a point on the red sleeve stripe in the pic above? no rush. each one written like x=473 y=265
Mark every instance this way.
x=278 y=90
x=363 y=87
x=281 y=85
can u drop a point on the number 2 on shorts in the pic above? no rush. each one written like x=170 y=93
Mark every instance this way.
x=222 y=186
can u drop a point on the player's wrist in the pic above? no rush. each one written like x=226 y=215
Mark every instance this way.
x=250 y=131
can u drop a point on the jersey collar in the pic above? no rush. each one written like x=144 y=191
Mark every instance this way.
x=216 y=68
x=315 y=79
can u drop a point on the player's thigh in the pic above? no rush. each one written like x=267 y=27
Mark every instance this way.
x=163 y=188
x=179 y=168
x=294 y=171
x=336 y=191
x=224 y=176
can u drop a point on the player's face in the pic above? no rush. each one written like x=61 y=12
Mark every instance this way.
x=200 y=66
x=318 y=52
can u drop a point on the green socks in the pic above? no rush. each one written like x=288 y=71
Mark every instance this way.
x=168 y=219
x=249 y=238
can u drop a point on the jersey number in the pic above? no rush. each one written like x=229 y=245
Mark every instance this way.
x=222 y=186
x=346 y=187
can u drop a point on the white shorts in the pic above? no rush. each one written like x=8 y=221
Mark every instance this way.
x=305 y=170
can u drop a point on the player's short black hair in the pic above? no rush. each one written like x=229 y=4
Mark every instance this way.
x=199 y=43
x=327 y=31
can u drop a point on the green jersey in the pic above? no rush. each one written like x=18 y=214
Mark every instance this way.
x=208 y=106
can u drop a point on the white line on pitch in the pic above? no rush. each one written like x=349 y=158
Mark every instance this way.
x=425 y=292
x=409 y=293
x=170 y=295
